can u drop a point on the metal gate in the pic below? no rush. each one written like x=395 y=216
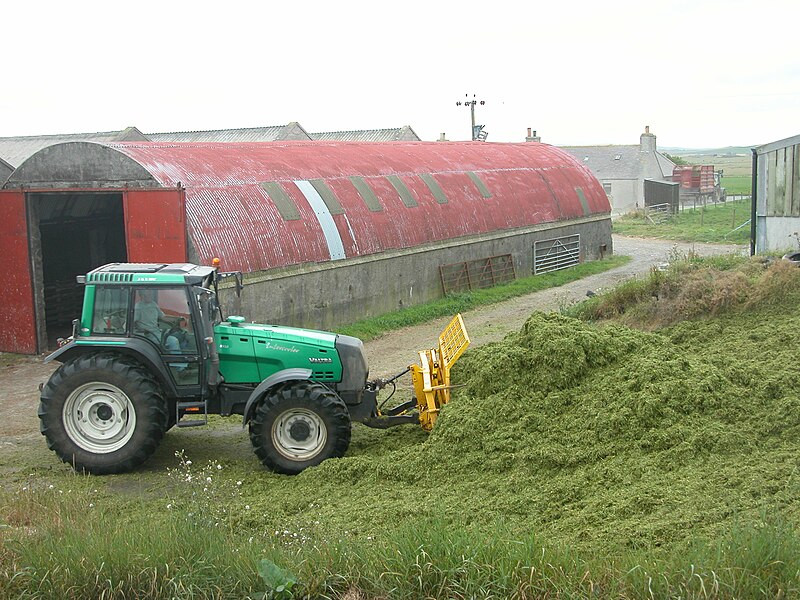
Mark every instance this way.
x=557 y=253
x=474 y=274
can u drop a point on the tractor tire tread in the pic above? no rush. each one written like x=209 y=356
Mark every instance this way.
x=143 y=391
x=325 y=401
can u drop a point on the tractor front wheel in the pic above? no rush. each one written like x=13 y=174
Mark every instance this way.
x=102 y=414
x=298 y=425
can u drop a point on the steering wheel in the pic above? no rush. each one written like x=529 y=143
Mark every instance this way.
x=174 y=329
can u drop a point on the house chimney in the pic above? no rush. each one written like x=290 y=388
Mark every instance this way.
x=647 y=141
x=533 y=137
x=442 y=137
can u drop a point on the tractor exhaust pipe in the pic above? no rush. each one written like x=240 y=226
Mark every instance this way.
x=213 y=370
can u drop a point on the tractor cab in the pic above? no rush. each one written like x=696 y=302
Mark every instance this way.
x=164 y=312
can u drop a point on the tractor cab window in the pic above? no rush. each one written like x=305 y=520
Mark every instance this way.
x=163 y=316
x=110 y=311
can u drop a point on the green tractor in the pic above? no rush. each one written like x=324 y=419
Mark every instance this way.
x=152 y=350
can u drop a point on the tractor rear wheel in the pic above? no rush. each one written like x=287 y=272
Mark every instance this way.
x=298 y=425
x=102 y=414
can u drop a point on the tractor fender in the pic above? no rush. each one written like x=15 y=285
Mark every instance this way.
x=271 y=381
x=141 y=350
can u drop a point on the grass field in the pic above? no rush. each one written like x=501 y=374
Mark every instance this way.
x=720 y=223
x=578 y=461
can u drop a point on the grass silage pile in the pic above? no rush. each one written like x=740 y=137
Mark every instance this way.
x=597 y=436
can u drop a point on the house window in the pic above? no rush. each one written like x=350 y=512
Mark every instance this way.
x=607 y=188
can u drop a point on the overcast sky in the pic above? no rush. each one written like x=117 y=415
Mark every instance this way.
x=699 y=73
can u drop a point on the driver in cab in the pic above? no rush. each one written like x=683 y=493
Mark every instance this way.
x=147 y=315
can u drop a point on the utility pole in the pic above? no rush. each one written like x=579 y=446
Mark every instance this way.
x=477 y=130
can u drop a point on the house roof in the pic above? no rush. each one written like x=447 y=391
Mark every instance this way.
x=622 y=162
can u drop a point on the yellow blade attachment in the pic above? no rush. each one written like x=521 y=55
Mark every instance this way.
x=431 y=377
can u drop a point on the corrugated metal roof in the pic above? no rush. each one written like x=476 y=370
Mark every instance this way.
x=396 y=134
x=291 y=131
x=5 y=170
x=231 y=214
x=15 y=150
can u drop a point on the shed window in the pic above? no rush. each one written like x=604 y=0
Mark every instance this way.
x=402 y=190
x=327 y=195
x=366 y=193
x=434 y=187
x=479 y=184
x=282 y=201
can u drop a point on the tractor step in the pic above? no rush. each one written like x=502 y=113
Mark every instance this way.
x=199 y=409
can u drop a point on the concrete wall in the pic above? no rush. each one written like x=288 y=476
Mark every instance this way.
x=326 y=296
x=625 y=193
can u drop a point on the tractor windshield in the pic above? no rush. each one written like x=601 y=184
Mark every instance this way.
x=163 y=316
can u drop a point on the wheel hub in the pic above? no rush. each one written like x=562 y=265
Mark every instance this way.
x=299 y=431
x=299 y=434
x=99 y=418
x=104 y=412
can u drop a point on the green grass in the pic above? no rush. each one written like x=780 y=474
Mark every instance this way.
x=371 y=328
x=99 y=552
x=710 y=224
x=738 y=184
x=578 y=461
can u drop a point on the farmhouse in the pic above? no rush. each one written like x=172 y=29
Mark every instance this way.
x=776 y=189
x=623 y=170
x=326 y=232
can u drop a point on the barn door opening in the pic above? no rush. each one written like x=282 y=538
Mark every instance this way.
x=77 y=232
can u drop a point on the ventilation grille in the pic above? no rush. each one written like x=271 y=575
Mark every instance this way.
x=110 y=277
x=322 y=375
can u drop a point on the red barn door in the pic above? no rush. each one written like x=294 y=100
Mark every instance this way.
x=17 y=315
x=155 y=225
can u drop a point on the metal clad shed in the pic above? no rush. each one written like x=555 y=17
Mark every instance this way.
x=265 y=208
x=776 y=183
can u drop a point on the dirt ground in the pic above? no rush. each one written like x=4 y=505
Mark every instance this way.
x=20 y=377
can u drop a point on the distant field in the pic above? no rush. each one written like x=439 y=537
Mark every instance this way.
x=740 y=184
x=732 y=166
x=736 y=169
